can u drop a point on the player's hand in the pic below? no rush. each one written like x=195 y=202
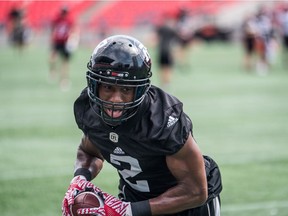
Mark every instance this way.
x=77 y=185
x=112 y=207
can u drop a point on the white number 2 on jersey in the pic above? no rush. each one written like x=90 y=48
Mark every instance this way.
x=135 y=169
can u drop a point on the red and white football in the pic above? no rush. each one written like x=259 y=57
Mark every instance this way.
x=86 y=199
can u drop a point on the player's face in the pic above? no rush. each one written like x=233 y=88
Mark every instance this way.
x=115 y=94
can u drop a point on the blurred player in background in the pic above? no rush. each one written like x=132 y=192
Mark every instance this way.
x=264 y=40
x=185 y=28
x=144 y=133
x=64 y=39
x=166 y=37
x=18 y=31
x=283 y=21
x=249 y=32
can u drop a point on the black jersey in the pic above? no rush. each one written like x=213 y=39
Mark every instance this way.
x=138 y=148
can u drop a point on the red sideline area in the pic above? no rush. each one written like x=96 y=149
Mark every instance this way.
x=122 y=14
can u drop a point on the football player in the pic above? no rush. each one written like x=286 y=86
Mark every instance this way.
x=144 y=133
x=63 y=29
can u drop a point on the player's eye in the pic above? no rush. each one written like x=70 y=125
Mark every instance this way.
x=127 y=89
x=106 y=86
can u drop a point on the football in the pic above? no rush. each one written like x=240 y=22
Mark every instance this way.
x=85 y=199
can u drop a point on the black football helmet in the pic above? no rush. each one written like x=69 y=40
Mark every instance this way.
x=123 y=61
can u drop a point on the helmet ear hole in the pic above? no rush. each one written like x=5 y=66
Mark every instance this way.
x=138 y=92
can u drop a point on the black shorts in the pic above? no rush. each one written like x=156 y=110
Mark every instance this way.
x=249 y=45
x=165 y=59
x=285 y=42
x=60 y=48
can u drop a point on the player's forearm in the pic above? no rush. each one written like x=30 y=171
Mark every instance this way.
x=178 y=199
x=88 y=162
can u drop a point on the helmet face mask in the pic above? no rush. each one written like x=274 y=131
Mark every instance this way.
x=120 y=61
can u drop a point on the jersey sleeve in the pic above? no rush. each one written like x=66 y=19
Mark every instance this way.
x=177 y=130
x=170 y=126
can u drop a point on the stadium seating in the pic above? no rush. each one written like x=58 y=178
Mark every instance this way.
x=39 y=13
x=126 y=14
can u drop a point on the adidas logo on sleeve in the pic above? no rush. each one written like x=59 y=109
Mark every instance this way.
x=171 y=121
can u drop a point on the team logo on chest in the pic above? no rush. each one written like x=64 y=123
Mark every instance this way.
x=113 y=137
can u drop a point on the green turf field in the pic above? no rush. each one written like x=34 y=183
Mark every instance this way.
x=240 y=119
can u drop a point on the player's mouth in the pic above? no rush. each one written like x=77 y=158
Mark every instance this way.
x=114 y=113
